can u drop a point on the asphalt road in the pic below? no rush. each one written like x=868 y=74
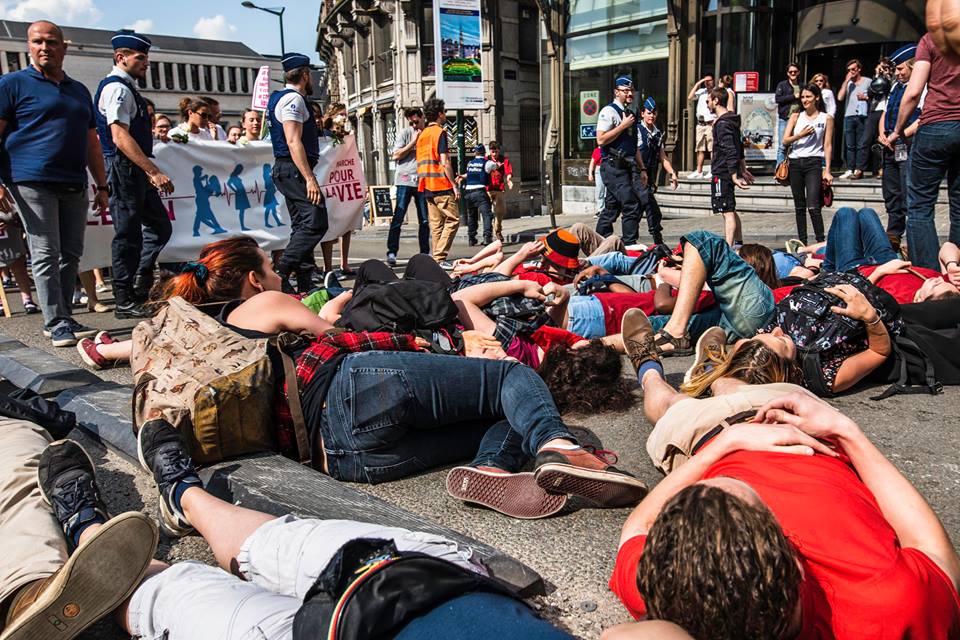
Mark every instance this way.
x=574 y=551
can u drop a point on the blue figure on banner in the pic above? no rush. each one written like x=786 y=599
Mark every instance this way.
x=270 y=203
x=204 y=187
x=240 y=199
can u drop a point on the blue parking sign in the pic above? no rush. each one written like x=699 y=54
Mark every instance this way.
x=588 y=131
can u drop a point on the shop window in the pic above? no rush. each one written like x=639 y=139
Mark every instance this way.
x=530 y=142
x=389 y=118
x=593 y=14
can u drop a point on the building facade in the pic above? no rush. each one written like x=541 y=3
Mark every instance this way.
x=178 y=66
x=380 y=60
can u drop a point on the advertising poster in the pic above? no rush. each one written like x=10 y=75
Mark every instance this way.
x=457 y=38
x=758 y=117
x=222 y=190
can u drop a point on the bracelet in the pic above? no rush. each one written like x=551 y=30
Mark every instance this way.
x=877 y=321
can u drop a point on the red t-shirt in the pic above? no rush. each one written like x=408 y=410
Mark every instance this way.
x=902 y=286
x=537 y=275
x=596 y=156
x=617 y=304
x=942 y=103
x=858 y=582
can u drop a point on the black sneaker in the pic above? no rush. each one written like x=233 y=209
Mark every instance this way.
x=68 y=483
x=131 y=310
x=162 y=453
x=81 y=331
x=62 y=336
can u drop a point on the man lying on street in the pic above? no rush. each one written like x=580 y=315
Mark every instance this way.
x=736 y=542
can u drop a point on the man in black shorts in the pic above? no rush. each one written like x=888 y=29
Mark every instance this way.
x=728 y=166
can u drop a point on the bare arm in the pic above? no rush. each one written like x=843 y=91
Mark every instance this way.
x=842 y=91
x=291 y=132
x=448 y=171
x=129 y=147
x=95 y=164
x=473 y=317
x=663 y=300
x=668 y=167
x=402 y=151
x=788 y=137
x=828 y=148
x=6 y=200
x=911 y=95
x=484 y=294
x=693 y=90
x=950 y=262
x=591 y=169
x=508 y=266
x=857 y=367
x=273 y=312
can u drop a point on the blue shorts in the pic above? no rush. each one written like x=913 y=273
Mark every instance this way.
x=585 y=317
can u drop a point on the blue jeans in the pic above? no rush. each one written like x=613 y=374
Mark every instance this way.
x=404 y=194
x=600 y=190
x=935 y=152
x=480 y=616
x=852 y=132
x=392 y=414
x=856 y=238
x=781 y=150
x=745 y=302
x=615 y=262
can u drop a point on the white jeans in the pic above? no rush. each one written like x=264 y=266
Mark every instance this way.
x=280 y=561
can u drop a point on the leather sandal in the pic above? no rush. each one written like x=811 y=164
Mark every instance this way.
x=681 y=346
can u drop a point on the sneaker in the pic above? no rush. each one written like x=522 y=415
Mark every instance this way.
x=846 y=174
x=97 y=307
x=330 y=280
x=693 y=175
x=637 y=335
x=103 y=337
x=579 y=472
x=77 y=298
x=131 y=310
x=446 y=265
x=30 y=307
x=392 y=259
x=62 y=336
x=103 y=288
x=162 y=453
x=857 y=175
x=97 y=578
x=90 y=356
x=514 y=494
x=80 y=330
x=68 y=483
x=793 y=245
x=706 y=175
x=712 y=339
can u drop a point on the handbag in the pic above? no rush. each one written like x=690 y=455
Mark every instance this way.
x=826 y=194
x=782 y=174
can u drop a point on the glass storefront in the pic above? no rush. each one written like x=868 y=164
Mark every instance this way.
x=606 y=39
x=747 y=35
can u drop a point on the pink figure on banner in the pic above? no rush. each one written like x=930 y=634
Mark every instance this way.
x=204 y=187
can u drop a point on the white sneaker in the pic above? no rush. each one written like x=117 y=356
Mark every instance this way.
x=846 y=174
x=706 y=175
x=693 y=175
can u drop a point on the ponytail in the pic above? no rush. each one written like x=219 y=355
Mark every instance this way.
x=216 y=276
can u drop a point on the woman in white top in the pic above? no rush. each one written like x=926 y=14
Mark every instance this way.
x=829 y=100
x=809 y=134
x=196 y=118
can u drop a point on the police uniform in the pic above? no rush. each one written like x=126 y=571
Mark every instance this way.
x=895 y=174
x=621 y=175
x=479 y=172
x=308 y=221
x=140 y=221
x=650 y=143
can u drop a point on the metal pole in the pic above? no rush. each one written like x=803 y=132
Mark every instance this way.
x=283 y=49
x=461 y=158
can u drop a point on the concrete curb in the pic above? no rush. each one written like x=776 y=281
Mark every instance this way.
x=39 y=371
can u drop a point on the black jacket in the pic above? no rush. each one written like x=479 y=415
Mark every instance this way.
x=785 y=97
x=727 y=145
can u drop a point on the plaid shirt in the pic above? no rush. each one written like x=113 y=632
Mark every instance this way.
x=514 y=314
x=325 y=350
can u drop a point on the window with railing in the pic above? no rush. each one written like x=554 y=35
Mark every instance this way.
x=221 y=86
x=182 y=76
x=168 y=75
x=194 y=78
x=244 y=79
x=155 y=75
x=13 y=61
x=207 y=78
x=428 y=65
x=232 y=77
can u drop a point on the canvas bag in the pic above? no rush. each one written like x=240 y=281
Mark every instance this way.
x=214 y=385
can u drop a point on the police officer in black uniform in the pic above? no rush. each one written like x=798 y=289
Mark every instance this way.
x=296 y=146
x=650 y=142
x=140 y=221
x=621 y=167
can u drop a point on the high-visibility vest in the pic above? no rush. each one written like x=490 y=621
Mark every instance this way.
x=429 y=170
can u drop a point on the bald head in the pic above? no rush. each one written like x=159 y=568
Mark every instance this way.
x=47 y=48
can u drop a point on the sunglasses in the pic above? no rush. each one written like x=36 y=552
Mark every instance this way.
x=202 y=114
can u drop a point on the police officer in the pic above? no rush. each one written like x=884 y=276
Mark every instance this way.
x=296 y=146
x=651 y=151
x=477 y=180
x=621 y=166
x=141 y=225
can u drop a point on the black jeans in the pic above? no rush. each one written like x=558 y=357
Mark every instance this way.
x=141 y=225
x=806 y=175
x=867 y=138
x=308 y=221
x=625 y=194
x=419 y=267
x=478 y=206
x=895 y=176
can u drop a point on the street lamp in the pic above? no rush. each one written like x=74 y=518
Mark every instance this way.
x=277 y=11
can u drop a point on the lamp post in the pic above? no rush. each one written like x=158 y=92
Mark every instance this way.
x=277 y=11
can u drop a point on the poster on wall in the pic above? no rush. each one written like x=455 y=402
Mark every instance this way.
x=223 y=190
x=457 y=36
x=758 y=115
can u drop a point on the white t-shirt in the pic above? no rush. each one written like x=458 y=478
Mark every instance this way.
x=703 y=111
x=812 y=145
x=608 y=118
x=292 y=107
x=184 y=129
x=117 y=103
x=829 y=102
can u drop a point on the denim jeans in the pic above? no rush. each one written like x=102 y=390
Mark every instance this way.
x=935 y=152
x=615 y=262
x=404 y=195
x=852 y=132
x=599 y=190
x=392 y=414
x=781 y=129
x=856 y=238
x=55 y=218
x=479 y=616
x=745 y=302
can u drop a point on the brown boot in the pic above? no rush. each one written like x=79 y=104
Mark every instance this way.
x=637 y=335
x=100 y=575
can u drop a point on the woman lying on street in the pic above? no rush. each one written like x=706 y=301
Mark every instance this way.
x=229 y=269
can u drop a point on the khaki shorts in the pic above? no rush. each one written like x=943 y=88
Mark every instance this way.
x=688 y=421
x=704 y=138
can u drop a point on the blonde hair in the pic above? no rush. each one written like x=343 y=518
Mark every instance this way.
x=753 y=362
x=826 y=80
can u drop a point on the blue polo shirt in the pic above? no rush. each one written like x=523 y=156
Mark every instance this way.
x=47 y=127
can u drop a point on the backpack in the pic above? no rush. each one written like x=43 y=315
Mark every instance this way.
x=646 y=263
x=214 y=385
x=403 y=306
x=805 y=316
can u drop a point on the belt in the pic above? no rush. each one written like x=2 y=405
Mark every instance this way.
x=743 y=416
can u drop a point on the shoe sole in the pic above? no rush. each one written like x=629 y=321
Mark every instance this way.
x=168 y=521
x=602 y=487
x=60 y=443
x=87 y=333
x=87 y=360
x=515 y=494
x=688 y=376
x=100 y=575
x=64 y=342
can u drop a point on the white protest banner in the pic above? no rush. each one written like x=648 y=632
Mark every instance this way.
x=261 y=89
x=457 y=34
x=223 y=190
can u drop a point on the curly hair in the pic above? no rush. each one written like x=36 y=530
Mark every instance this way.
x=586 y=380
x=753 y=363
x=720 y=568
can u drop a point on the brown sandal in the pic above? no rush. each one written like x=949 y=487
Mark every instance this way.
x=681 y=346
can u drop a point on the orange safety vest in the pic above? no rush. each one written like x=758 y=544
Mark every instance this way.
x=429 y=170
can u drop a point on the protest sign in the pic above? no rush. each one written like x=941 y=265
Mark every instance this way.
x=261 y=89
x=223 y=190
